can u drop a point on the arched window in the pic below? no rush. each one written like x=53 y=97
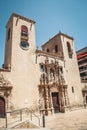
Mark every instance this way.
x=69 y=47
x=69 y=50
x=56 y=48
x=24 y=30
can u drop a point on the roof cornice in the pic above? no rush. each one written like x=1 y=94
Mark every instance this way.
x=20 y=17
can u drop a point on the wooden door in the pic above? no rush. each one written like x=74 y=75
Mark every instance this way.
x=2 y=107
x=55 y=99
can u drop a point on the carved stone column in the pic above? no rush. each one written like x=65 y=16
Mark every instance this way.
x=50 y=101
x=47 y=102
x=61 y=96
x=66 y=99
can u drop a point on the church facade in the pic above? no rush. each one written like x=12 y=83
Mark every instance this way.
x=47 y=79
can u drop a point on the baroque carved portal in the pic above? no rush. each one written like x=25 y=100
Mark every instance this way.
x=5 y=93
x=52 y=88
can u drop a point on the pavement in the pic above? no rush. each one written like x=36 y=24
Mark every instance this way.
x=71 y=120
x=27 y=129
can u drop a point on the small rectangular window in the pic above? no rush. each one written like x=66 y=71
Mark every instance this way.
x=70 y=52
x=47 y=50
x=72 y=89
x=56 y=48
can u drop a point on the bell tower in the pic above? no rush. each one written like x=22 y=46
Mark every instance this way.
x=20 y=40
x=20 y=54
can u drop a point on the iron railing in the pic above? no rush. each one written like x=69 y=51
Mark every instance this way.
x=19 y=115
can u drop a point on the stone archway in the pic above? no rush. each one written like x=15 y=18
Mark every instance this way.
x=2 y=107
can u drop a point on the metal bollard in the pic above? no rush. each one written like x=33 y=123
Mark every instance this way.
x=20 y=115
x=43 y=119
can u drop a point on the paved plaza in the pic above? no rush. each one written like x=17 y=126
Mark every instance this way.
x=72 y=120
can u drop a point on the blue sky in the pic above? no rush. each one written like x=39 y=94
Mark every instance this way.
x=51 y=16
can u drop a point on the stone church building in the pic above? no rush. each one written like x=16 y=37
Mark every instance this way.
x=46 y=79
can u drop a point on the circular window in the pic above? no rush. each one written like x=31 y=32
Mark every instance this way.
x=24 y=45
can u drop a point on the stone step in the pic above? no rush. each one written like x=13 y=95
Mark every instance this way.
x=22 y=124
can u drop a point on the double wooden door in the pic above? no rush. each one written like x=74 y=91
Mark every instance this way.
x=2 y=107
x=55 y=99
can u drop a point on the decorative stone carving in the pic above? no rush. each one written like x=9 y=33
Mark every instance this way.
x=5 y=89
x=53 y=77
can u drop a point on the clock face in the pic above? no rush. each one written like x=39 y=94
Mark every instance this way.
x=24 y=45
